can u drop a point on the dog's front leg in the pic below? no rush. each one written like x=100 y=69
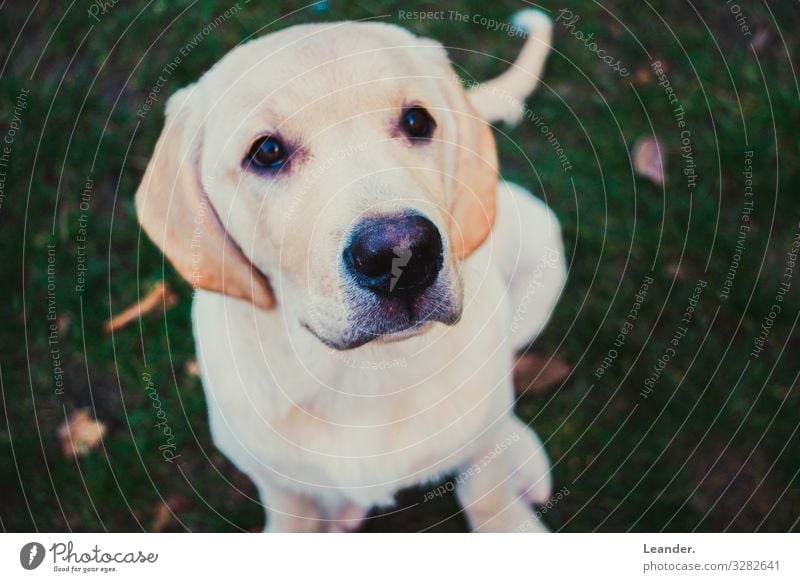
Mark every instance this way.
x=528 y=463
x=287 y=511
x=490 y=492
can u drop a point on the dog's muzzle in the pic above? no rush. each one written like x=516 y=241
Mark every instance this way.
x=395 y=281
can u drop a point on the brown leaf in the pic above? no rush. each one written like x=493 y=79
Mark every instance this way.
x=536 y=373
x=162 y=517
x=675 y=270
x=160 y=295
x=63 y=321
x=192 y=368
x=762 y=37
x=164 y=511
x=648 y=159
x=80 y=434
x=643 y=76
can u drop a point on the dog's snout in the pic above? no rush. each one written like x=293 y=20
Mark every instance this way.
x=399 y=255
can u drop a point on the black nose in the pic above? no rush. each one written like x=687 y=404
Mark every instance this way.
x=392 y=256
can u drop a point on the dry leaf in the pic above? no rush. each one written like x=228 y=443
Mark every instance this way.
x=192 y=368
x=162 y=517
x=63 y=321
x=643 y=76
x=160 y=295
x=761 y=38
x=535 y=373
x=674 y=270
x=166 y=509
x=648 y=159
x=80 y=434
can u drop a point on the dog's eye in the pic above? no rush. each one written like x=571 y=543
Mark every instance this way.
x=268 y=153
x=417 y=123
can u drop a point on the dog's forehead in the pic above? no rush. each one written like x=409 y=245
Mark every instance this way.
x=341 y=61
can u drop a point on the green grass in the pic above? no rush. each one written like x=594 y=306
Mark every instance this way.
x=713 y=447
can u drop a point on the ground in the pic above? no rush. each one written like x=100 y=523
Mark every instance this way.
x=661 y=424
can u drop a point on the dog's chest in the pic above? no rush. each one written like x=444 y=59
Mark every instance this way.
x=367 y=422
x=369 y=433
x=420 y=427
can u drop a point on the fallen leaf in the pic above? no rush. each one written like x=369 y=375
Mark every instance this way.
x=535 y=373
x=192 y=368
x=648 y=159
x=80 y=434
x=674 y=270
x=63 y=322
x=761 y=38
x=643 y=76
x=165 y=510
x=162 y=517
x=160 y=295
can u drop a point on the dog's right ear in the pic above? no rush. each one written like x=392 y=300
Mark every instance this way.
x=175 y=211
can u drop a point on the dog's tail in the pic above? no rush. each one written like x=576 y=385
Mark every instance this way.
x=502 y=98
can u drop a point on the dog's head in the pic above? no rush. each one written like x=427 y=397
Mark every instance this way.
x=338 y=170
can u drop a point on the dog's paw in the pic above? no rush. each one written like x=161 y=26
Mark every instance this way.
x=515 y=517
x=529 y=466
x=348 y=518
x=537 y=490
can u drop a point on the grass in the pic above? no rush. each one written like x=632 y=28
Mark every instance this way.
x=713 y=447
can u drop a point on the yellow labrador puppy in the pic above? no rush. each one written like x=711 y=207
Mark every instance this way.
x=363 y=278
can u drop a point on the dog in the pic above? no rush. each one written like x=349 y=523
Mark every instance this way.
x=363 y=278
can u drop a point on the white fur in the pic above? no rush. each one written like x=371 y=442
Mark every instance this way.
x=327 y=434
x=502 y=98
x=300 y=418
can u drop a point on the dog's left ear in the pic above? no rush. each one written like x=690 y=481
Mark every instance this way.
x=176 y=213
x=474 y=172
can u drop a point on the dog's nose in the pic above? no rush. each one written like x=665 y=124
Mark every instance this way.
x=392 y=256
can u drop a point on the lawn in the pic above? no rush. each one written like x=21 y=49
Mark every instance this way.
x=679 y=320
